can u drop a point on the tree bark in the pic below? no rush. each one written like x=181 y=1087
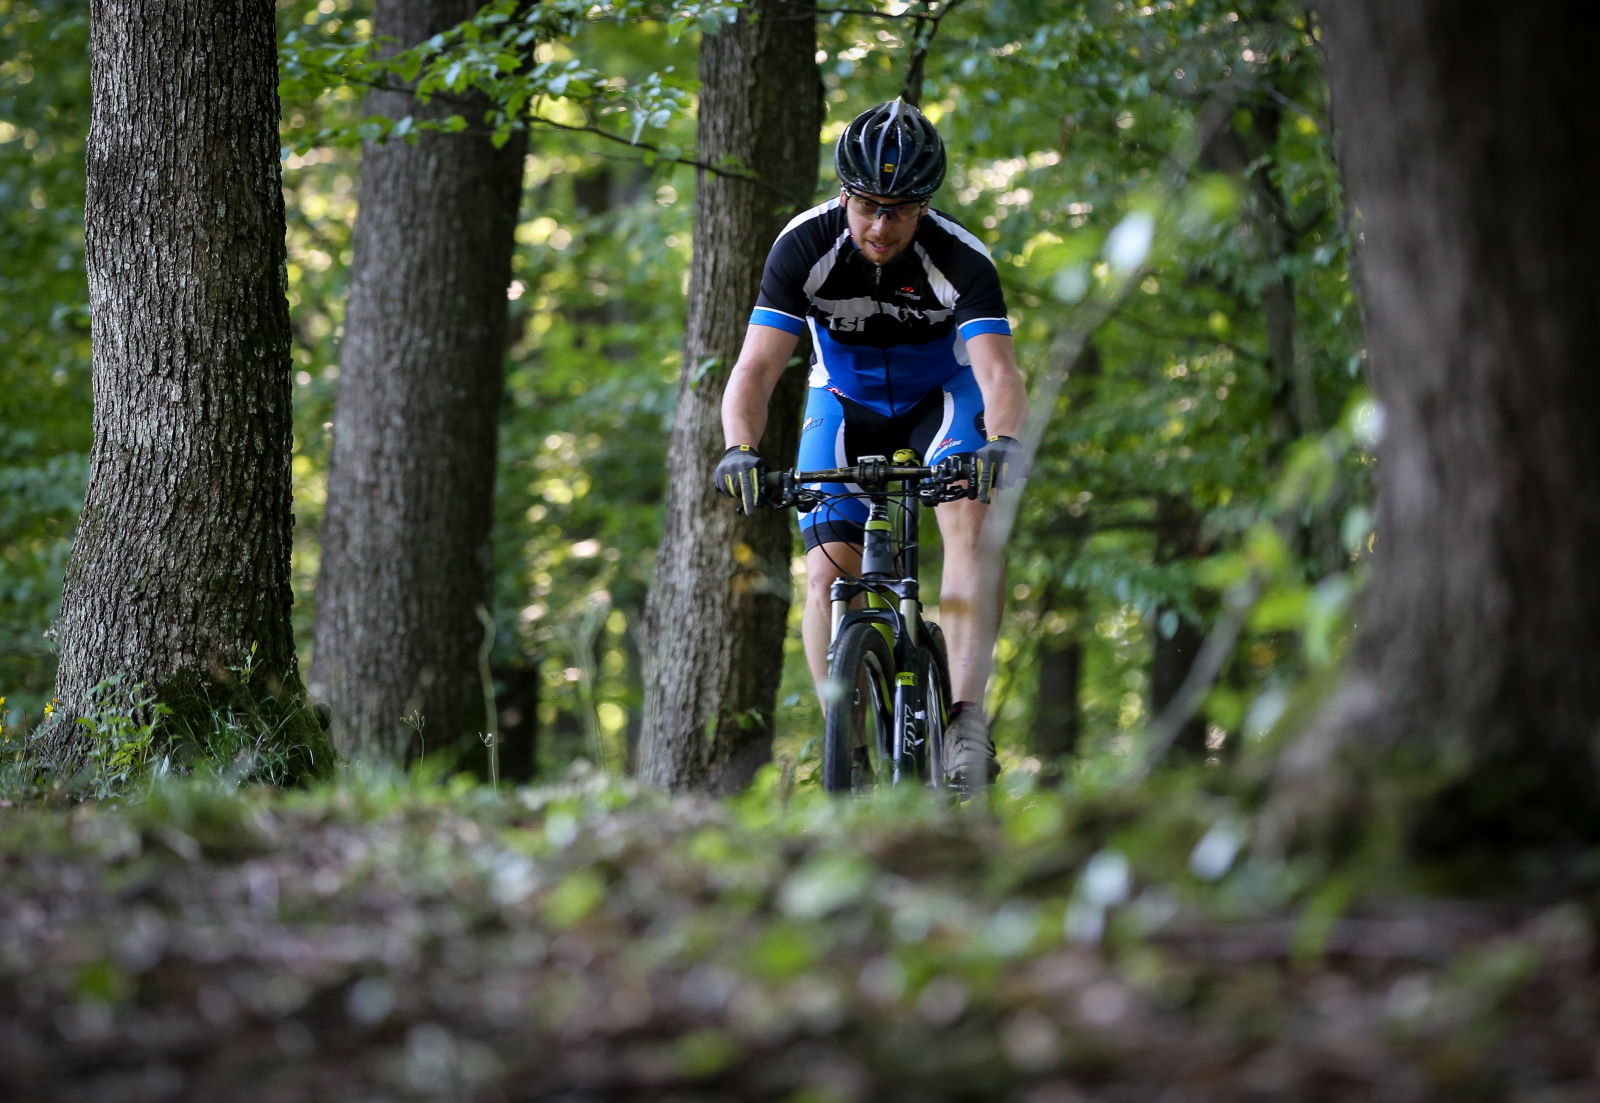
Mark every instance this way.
x=179 y=574
x=405 y=540
x=1179 y=539
x=1057 y=702
x=1468 y=148
x=717 y=611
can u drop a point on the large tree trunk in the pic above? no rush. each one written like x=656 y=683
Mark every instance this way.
x=1469 y=150
x=405 y=556
x=716 y=617
x=179 y=574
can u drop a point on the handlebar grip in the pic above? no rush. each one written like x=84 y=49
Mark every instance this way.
x=777 y=489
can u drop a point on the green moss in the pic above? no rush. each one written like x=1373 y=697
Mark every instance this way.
x=258 y=727
x=242 y=725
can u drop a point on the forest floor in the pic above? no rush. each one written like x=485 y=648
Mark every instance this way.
x=590 y=941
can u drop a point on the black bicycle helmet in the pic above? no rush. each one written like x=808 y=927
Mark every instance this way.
x=890 y=150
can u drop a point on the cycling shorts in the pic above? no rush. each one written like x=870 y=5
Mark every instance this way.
x=837 y=431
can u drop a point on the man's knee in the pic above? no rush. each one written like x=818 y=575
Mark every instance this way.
x=819 y=585
x=824 y=565
x=961 y=526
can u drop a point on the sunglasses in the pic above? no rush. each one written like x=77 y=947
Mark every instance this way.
x=872 y=210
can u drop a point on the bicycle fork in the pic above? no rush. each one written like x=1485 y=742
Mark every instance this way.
x=878 y=582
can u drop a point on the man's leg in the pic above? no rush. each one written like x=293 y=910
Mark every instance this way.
x=824 y=563
x=969 y=612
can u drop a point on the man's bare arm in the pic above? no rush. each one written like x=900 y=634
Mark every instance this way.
x=1005 y=399
x=765 y=354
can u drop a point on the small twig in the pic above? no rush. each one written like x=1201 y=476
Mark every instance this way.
x=1402 y=941
x=867 y=13
x=690 y=161
x=1203 y=673
x=491 y=735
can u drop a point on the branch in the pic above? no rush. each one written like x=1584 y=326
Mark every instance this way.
x=693 y=162
x=1002 y=518
x=465 y=101
x=911 y=90
x=1134 y=322
x=1203 y=674
x=866 y=12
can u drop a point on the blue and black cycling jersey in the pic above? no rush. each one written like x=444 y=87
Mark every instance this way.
x=882 y=337
x=889 y=364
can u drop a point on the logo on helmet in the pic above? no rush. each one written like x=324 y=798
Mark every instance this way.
x=888 y=168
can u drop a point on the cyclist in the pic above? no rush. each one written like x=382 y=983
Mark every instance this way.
x=910 y=348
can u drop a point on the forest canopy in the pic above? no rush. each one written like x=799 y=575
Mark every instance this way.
x=1155 y=184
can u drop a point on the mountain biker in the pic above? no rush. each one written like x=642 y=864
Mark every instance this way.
x=910 y=348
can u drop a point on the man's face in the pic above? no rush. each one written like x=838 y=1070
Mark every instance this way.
x=882 y=227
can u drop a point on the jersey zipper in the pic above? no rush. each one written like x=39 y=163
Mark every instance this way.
x=888 y=382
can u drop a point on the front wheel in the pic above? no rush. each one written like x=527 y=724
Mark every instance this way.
x=934 y=676
x=856 y=735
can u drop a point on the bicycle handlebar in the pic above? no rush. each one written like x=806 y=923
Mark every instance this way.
x=872 y=474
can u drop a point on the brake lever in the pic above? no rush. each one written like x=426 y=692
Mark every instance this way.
x=778 y=490
x=803 y=498
x=940 y=486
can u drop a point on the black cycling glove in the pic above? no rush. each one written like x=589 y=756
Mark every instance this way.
x=993 y=465
x=738 y=475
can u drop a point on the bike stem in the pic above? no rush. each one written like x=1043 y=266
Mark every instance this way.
x=879 y=577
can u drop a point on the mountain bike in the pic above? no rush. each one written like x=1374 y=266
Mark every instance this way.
x=888 y=689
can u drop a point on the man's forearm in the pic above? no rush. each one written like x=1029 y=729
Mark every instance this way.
x=751 y=382
x=1005 y=411
x=744 y=407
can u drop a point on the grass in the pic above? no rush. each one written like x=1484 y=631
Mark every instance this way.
x=413 y=936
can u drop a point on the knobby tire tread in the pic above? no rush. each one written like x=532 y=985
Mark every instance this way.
x=859 y=644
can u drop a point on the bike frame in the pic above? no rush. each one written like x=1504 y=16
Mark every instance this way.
x=893 y=601
x=888 y=588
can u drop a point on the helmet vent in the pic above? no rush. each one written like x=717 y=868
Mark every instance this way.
x=891 y=150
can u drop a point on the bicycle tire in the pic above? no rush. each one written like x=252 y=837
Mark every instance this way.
x=856 y=732
x=935 y=678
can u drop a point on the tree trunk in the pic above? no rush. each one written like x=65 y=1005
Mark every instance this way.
x=1176 y=643
x=1469 y=149
x=717 y=612
x=1057 y=704
x=179 y=574
x=405 y=538
x=518 y=689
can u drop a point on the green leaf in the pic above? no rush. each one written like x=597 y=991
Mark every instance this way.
x=824 y=885
x=574 y=898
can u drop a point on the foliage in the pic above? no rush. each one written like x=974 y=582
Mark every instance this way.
x=44 y=329
x=135 y=739
x=416 y=936
x=502 y=52
x=1073 y=127
x=1176 y=406
x=407 y=938
x=122 y=726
